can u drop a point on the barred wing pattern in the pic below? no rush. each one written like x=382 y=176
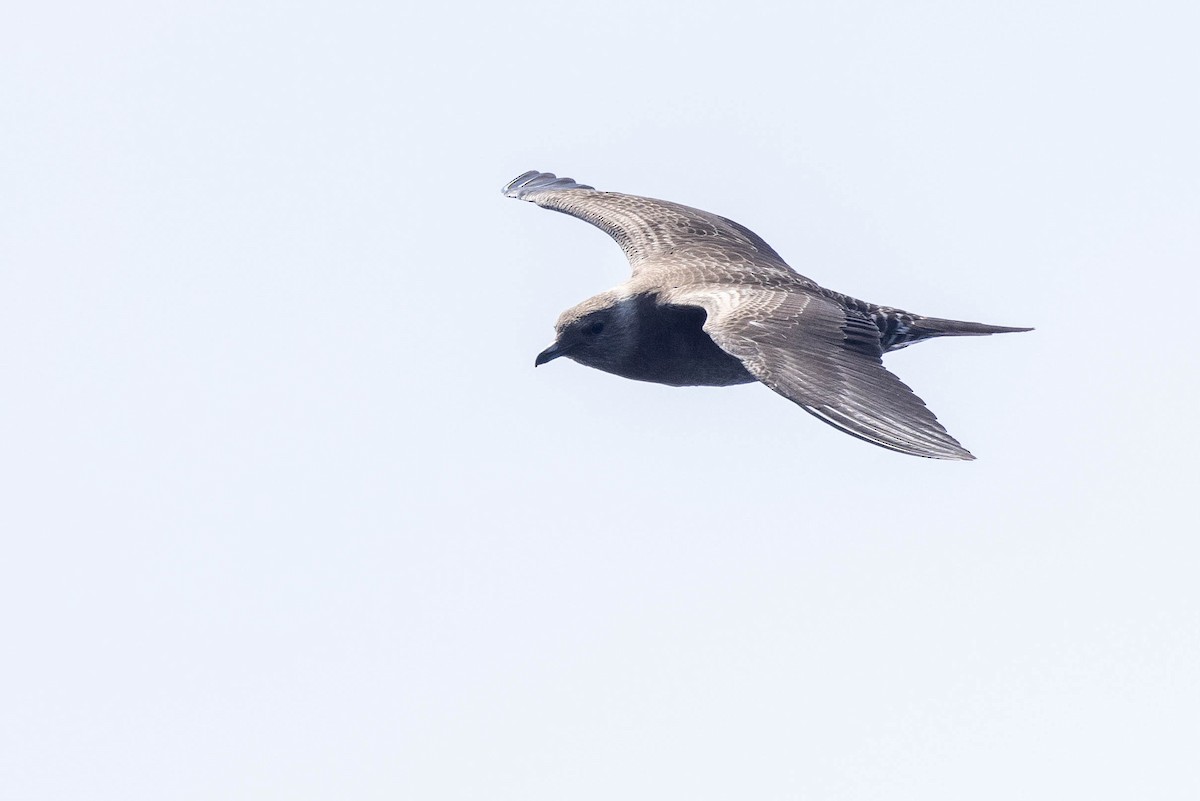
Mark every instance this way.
x=811 y=351
x=649 y=230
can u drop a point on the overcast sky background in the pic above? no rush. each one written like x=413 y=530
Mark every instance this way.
x=288 y=513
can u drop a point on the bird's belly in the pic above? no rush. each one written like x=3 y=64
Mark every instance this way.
x=668 y=345
x=701 y=374
x=685 y=361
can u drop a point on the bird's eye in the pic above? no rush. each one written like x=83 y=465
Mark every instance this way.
x=594 y=328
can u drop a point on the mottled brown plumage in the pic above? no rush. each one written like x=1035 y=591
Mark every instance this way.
x=711 y=303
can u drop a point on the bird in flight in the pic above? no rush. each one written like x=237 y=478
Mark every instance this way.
x=710 y=303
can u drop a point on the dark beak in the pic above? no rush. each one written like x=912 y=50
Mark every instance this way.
x=550 y=354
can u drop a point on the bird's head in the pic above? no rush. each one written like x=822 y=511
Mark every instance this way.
x=598 y=332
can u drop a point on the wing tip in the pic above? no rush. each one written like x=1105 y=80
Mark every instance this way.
x=946 y=448
x=928 y=441
x=534 y=181
x=946 y=452
x=949 y=451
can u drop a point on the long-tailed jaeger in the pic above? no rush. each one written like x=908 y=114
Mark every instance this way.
x=712 y=304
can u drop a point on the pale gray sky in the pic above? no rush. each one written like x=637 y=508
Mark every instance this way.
x=288 y=513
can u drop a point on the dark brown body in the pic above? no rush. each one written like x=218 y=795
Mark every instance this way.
x=668 y=346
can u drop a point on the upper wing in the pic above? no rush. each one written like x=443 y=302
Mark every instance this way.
x=808 y=349
x=648 y=229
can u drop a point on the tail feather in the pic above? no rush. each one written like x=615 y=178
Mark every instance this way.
x=900 y=329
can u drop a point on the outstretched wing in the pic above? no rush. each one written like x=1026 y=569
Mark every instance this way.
x=648 y=229
x=815 y=353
